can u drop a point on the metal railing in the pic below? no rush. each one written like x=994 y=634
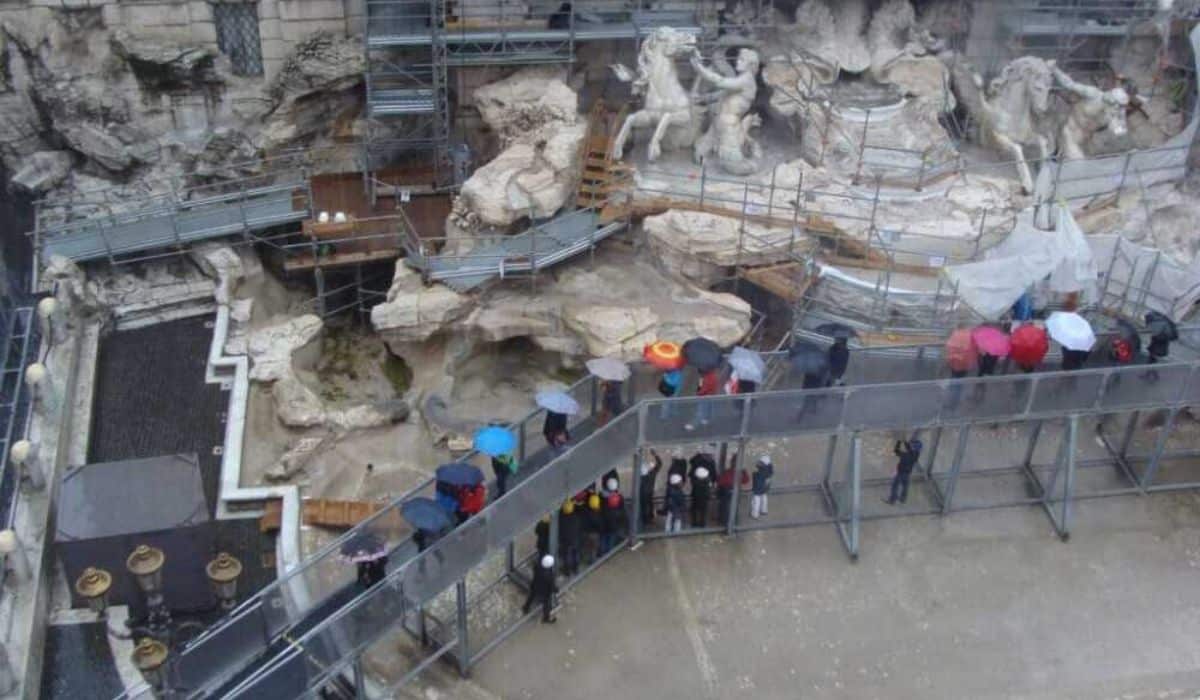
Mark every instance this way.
x=334 y=643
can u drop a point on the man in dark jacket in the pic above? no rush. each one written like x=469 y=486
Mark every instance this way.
x=542 y=532
x=702 y=460
x=646 y=484
x=727 y=487
x=678 y=465
x=554 y=429
x=761 y=486
x=542 y=588
x=570 y=537
x=909 y=451
x=503 y=466
x=839 y=359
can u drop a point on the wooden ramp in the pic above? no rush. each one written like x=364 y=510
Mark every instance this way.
x=322 y=513
x=788 y=281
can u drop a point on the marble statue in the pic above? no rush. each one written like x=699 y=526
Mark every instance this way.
x=728 y=135
x=1014 y=110
x=667 y=106
x=1092 y=110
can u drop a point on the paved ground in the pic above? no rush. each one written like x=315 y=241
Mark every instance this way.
x=980 y=604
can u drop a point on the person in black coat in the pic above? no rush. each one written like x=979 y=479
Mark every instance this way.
x=1074 y=359
x=674 y=504
x=554 y=429
x=839 y=360
x=542 y=532
x=909 y=451
x=678 y=465
x=562 y=18
x=570 y=537
x=646 y=484
x=702 y=460
x=542 y=588
x=593 y=526
x=613 y=521
x=372 y=572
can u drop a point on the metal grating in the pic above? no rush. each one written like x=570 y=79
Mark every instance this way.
x=237 y=36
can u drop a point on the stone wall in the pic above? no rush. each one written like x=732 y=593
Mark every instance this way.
x=281 y=23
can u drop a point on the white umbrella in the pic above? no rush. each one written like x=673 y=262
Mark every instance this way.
x=609 y=369
x=557 y=402
x=1071 y=330
x=748 y=364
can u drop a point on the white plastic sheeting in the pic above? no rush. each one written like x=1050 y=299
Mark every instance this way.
x=1029 y=256
x=1075 y=180
x=1136 y=279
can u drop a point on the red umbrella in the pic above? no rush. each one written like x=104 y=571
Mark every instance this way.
x=961 y=352
x=991 y=340
x=1029 y=346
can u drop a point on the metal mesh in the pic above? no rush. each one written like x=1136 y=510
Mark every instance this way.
x=237 y=36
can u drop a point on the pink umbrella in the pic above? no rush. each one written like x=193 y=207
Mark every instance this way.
x=960 y=350
x=992 y=341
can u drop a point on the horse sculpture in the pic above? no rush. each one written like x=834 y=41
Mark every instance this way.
x=1015 y=109
x=667 y=105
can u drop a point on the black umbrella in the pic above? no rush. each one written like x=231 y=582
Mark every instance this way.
x=459 y=474
x=425 y=514
x=808 y=359
x=1160 y=325
x=702 y=353
x=836 y=330
x=364 y=546
x=1129 y=334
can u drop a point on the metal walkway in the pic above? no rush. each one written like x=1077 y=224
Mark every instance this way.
x=542 y=245
x=173 y=221
x=291 y=639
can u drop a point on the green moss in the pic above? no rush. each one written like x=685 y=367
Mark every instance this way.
x=398 y=373
x=568 y=376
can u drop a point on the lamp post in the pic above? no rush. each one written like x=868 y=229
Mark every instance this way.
x=223 y=573
x=150 y=657
x=146 y=565
x=93 y=586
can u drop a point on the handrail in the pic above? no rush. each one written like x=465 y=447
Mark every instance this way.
x=741 y=428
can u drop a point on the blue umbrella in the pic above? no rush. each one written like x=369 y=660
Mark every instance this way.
x=459 y=474
x=495 y=441
x=425 y=514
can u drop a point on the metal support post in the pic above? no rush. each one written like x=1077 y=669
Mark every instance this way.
x=1127 y=438
x=930 y=458
x=739 y=465
x=771 y=192
x=829 y=452
x=1160 y=446
x=360 y=685
x=848 y=526
x=553 y=542
x=464 y=651
x=862 y=148
x=319 y=277
x=1064 y=526
x=960 y=451
x=635 y=495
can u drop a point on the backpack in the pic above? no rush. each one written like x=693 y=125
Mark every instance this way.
x=509 y=462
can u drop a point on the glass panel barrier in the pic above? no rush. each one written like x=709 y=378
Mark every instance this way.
x=1131 y=387
x=693 y=419
x=1192 y=396
x=521 y=505
x=974 y=399
x=796 y=411
x=612 y=445
x=1066 y=391
x=886 y=407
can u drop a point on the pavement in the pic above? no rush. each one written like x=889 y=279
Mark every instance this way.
x=977 y=604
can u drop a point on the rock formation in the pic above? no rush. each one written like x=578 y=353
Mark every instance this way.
x=535 y=114
x=703 y=248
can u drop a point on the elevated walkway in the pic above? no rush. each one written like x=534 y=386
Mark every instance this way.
x=293 y=638
x=87 y=231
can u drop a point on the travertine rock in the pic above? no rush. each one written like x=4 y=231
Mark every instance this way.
x=296 y=458
x=42 y=171
x=166 y=64
x=271 y=348
x=702 y=247
x=526 y=101
x=414 y=312
x=296 y=405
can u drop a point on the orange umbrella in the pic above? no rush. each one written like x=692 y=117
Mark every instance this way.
x=961 y=352
x=664 y=354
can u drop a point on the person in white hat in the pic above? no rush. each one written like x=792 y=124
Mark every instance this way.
x=701 y=490
x=674 y=504
x=543 y=588
x=760 y=486
x=651 y=465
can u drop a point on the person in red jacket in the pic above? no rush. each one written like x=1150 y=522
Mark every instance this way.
x=472 y=500
x=710 y=384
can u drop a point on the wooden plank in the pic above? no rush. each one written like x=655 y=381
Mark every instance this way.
x=272 y=518
x=305 y=261
x=323 y=512
x=787 y=281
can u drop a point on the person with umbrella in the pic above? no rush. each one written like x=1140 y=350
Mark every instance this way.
x=570 y=536
x=368 y=552
x=1029 y=347
x=705 y=356
x=649 y=475
x=1074 y=334
x=668 y=357
x=612 y=374
x=542 y=588
x=465 y=482
x=812 y=362
x=992 y=344
x=909 y=452
x=961 y=356
x=498 y=443
x=428 y=519
x=558 y=405
x=749 y=370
